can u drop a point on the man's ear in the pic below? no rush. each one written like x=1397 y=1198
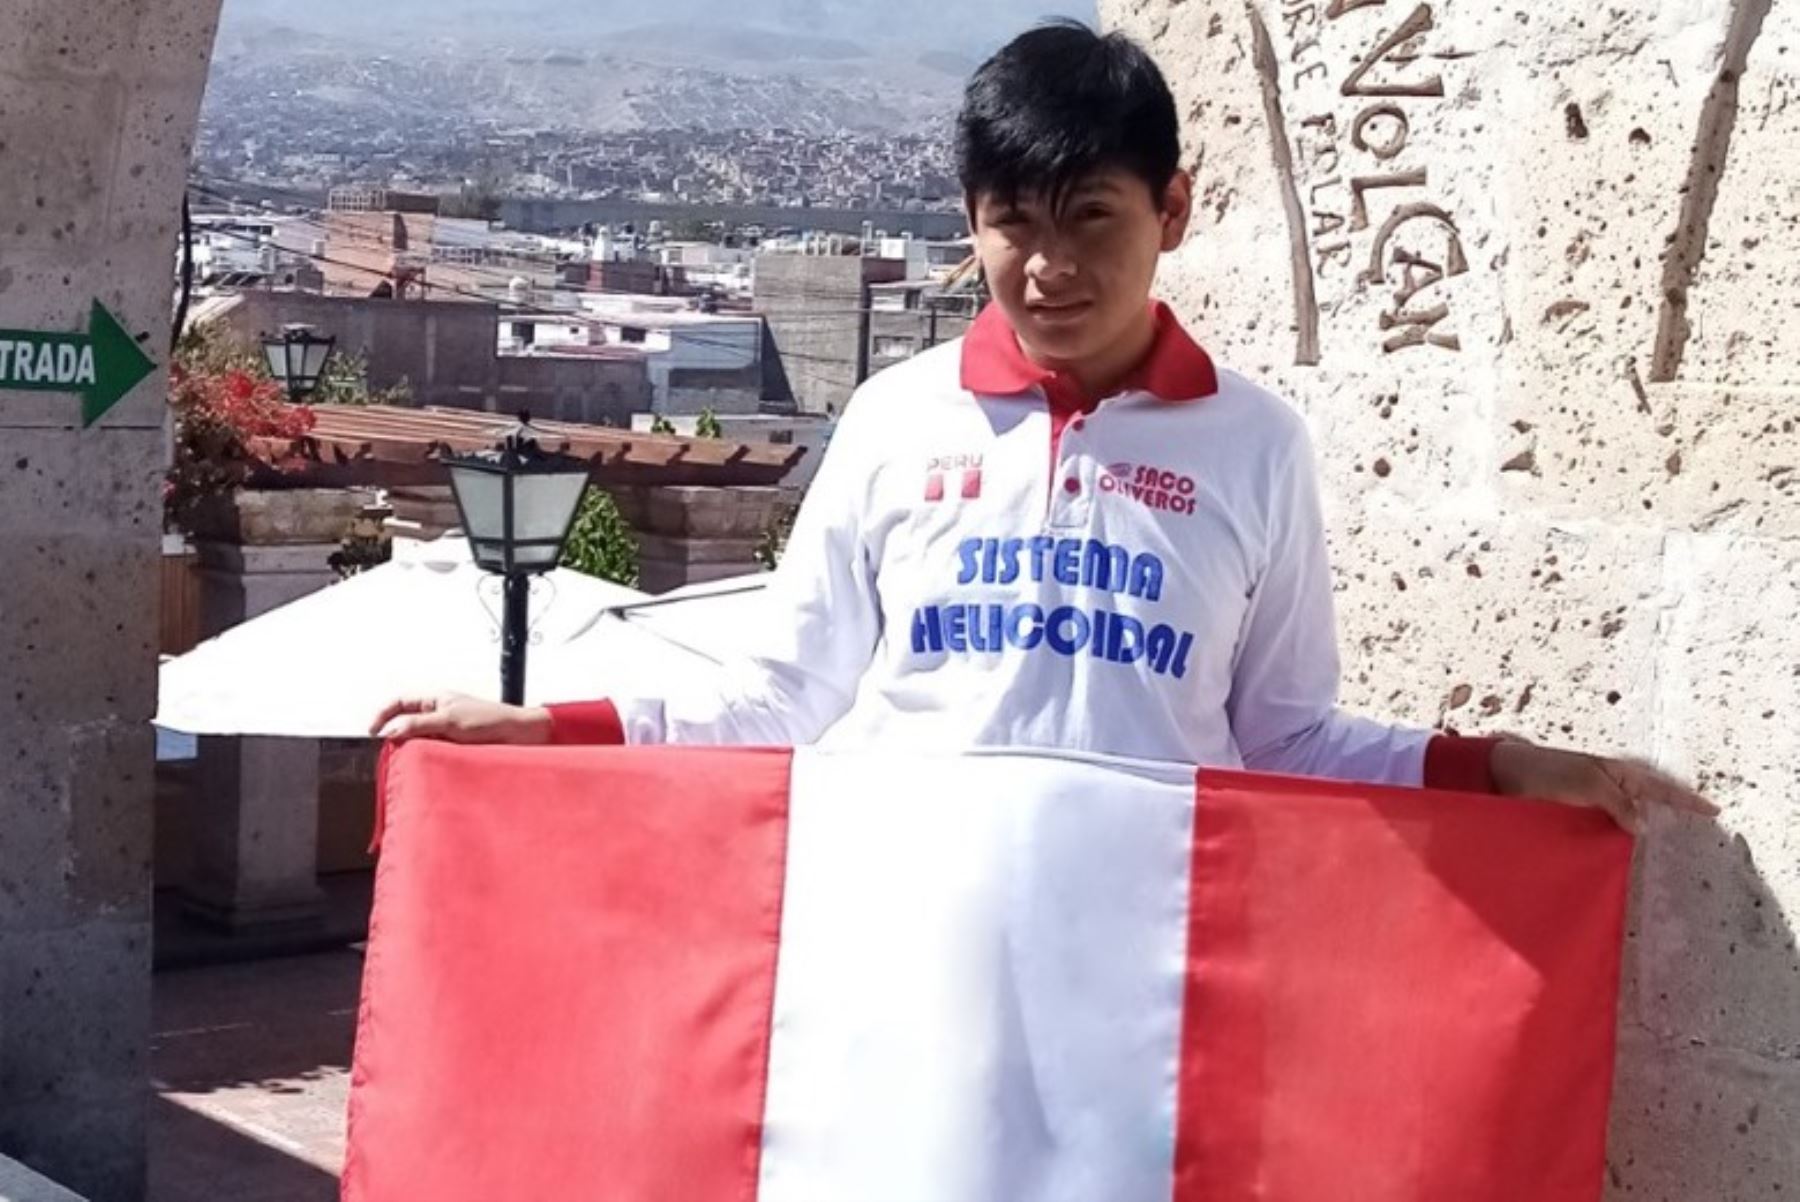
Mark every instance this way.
x=1178 y=210
x=971 y=208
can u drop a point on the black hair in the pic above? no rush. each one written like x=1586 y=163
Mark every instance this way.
x=1060 y=103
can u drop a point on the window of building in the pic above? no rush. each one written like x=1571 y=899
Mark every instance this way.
x=887 y=347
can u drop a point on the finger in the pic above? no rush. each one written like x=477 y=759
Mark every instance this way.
x=394 y=709
x=393 y=728
x=1637 y=819
x=1680 y=797
x=1624 y=810
x=1651 y=783
x=412 y=726
x=409 y=706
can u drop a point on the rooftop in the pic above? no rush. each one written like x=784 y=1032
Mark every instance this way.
x=387 y=447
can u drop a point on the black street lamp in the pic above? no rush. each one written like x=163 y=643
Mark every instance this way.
x=297 y=360
x=518 y=503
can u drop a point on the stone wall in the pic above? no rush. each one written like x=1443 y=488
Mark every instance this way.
x=1533 y=273
x=97 y=106
x=588 y=392
x=435 y=347
x=735 y=392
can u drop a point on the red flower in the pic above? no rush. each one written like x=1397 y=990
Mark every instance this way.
x=219 y=418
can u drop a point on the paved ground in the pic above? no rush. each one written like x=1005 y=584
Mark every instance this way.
x=251 y=1064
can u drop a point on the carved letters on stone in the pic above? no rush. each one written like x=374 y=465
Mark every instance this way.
x=1395 y=142
x=1420 y=22
x=1361 y=186
x=1417 y=273
x=1417 y=244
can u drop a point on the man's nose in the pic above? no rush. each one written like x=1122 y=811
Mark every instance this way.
x=1050 y=261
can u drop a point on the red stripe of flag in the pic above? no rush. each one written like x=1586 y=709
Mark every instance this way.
x=1397 y=996
x=570 y=976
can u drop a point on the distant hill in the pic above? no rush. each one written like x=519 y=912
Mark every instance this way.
x=608 y=65
x=969 y=28
x=728 y=43
x=948 y=62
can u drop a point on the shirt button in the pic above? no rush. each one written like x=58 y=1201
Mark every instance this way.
x=1071 y=486
x=1080 y=424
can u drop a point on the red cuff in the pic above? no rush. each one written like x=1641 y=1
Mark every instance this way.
x=586 y=724
x=1458 y=765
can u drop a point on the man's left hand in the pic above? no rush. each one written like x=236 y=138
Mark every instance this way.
x=1625 y=788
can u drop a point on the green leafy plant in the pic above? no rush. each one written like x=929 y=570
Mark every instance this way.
x=601 y=544
x=345 y=381
x=661 y=425
x=708 y=425
x=366 y=545
x=773 y=543
x=212 y=350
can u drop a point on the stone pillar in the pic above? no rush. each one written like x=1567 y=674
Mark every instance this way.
x=256 y=832
x=698 y=535
x=256 y=800
x=98 y=100
x=1533 y=274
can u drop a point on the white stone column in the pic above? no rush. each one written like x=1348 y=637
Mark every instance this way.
x=1532 y=271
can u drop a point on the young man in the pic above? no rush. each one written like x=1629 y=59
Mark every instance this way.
x=1070 y=530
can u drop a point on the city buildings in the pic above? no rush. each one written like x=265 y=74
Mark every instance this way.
x=815 y=299
x=449 y=354
x=693 y=362
x=911 y=316
x=727 y=318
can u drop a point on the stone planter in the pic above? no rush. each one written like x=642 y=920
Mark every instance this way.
x=697 y=535
x=285 y=517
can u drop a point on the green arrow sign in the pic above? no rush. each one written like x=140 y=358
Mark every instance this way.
x=102 y=365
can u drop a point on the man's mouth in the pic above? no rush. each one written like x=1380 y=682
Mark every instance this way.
x=1058 y=308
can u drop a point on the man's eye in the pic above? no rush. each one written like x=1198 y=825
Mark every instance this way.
x=1093 y=213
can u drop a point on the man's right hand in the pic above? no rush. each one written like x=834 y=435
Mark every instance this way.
x=454 y=718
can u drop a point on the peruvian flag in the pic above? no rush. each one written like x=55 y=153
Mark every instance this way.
x=673 y=975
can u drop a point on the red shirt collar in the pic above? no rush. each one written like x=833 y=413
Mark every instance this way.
x=1176 y=369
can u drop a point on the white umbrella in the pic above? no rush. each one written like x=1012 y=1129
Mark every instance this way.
x=712 y=620
x=429 y=622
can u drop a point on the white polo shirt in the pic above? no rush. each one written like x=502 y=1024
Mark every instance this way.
x=984 y=561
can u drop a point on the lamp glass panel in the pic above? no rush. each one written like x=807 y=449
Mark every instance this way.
x=316 y=354
x=536 y=557
x=277 y=353
x=545 y=505
x=482 y=497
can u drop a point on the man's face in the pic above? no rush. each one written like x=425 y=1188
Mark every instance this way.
x=1074 y=282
